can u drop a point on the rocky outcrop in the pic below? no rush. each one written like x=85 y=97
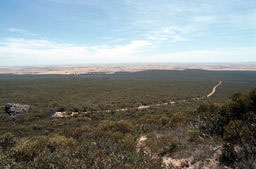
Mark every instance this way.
x=16 y=109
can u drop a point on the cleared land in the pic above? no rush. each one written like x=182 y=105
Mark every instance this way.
x=113 y=68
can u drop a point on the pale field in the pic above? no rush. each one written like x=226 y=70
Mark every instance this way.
x=113 y=68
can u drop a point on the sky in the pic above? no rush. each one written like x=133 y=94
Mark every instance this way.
x=65 y=32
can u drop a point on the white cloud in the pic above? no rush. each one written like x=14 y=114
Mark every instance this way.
x=36 y=51
x=22 y=31
x=43 y=52
x=122 y=52
x=191 y=19
x=171 y=34
x=228 y=55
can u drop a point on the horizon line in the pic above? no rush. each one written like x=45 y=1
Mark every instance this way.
x=132 y=63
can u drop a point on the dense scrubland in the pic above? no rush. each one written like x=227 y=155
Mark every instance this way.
x=217 y=131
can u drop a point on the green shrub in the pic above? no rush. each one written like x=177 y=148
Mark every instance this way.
x=118 y=135
x=60 y=141
x=124 y=126
x=228 y=155
x=236 y=123
x=56 y=106
x=211 y=124
x=236 y=131
x=178 y=119
x=106 y=125
x=77 y=132
x=7 y=141
x=194 y=136
x=129 y=143
x=28 y=148
x=162 y=145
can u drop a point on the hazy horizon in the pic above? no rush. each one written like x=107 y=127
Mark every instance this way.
x=138 y=63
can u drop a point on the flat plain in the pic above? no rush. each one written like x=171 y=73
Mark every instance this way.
x=113 y=68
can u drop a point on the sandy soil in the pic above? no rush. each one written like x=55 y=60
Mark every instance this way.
x=210 y=163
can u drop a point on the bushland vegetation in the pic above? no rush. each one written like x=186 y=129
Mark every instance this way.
x=235 y=123
x=101 y=139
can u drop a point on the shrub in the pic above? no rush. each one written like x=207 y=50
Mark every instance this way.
x=77 y=132
x=162 y=145
x=236 y=131
x=211 y=124
x=236 y=123
x=106 y=125
x=178 y=119
x=28 y=148
x=194 y=136
x=7 y=141
x=56 y=106
x=129 y=143
x=118 y=135
x=228 y=155
x=124 y=126
x=60 y=141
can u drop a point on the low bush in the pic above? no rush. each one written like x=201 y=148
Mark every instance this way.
x=178 y=119
x=235 y=122
x=161 y=145
x=7 y=141
x=122 y=126
x=28 y=148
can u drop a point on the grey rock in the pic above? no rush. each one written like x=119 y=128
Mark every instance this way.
x=16 y=109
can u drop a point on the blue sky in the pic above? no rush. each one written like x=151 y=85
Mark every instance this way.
x=55 y=32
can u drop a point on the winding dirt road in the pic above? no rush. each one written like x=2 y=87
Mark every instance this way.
x=60 y=114
x=214 y=89
x=170 y=102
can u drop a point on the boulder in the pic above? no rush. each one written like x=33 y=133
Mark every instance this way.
x=16 y=109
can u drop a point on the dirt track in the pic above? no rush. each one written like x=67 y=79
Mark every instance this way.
x=60 y=114
x=172 y=102
x=214 y=89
